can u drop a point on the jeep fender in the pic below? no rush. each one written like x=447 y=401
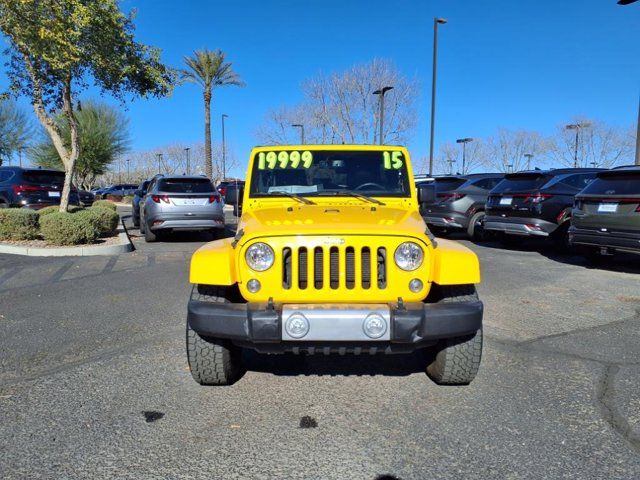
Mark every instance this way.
x=214 y=264
x=454 y=264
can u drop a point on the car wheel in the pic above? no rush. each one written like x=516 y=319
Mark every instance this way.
x=213 y=361
x=455 y=361
x=475 y=230
x=149 y=236
x=135 y=219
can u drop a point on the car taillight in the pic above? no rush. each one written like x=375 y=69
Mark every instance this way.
x=17 y=189
x=159 y=198
x=451 y=196
x=222 y=190
x=214 y=199
x=537 y=198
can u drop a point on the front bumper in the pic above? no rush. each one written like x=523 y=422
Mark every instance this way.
x=618 y=240
x=259 y=326
x=528 y=227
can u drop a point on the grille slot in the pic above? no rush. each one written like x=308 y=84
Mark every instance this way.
x=334 y=267
x=382 y=268
x=318 y=267
x=302 y=268
x=366 y=267
x=286 y=268
x=350 y=267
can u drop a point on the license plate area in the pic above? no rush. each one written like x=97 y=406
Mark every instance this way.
x=608 y=207
x=335 y=323
x=506 y=200
x=54 y=194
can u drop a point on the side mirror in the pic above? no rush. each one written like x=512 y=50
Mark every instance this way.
x=426 y=193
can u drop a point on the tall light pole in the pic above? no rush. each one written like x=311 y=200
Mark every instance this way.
x=577 y=127
x=301 y=127
x=159 y=157
x=464 y=142
x=128 y=170
x=224 y=150
x=436 y=22
x=451 y=161
x=188 y=160
x=528 y=156
x=381 y=92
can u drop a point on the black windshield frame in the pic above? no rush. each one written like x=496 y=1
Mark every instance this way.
x=334 y=171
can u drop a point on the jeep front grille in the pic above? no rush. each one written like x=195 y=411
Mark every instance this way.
x=330 y=264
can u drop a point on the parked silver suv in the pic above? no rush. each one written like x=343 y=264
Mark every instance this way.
x=180 y=203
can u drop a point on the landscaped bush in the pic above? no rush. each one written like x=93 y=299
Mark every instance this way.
x=18 y=224
x=56 y=208
x=106 y=219
x=64 y=228
x=105 y=204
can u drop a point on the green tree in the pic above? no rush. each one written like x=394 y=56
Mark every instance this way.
x=103 y=133
x=15 y=129
x=209 y=70
x=58 y=47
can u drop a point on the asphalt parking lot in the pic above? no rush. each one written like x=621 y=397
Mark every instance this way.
x=94 y=381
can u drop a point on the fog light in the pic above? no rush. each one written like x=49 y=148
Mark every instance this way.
x=415 y=285
x=253 y=285
x=374 y=326
x=297 y=326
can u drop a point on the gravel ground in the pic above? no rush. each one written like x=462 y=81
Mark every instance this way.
x=94 y=382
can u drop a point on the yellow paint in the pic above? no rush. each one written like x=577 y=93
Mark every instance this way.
x=339 y=222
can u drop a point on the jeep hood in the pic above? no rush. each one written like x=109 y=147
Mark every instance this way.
x=332 y=220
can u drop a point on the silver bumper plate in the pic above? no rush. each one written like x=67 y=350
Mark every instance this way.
x=335 y=322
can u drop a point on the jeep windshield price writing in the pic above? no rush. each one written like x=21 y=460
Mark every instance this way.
x=284 y=159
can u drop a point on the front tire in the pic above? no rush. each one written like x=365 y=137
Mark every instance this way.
x=475 y=231
x=455 y=361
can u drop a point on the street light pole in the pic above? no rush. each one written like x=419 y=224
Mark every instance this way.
x=188 y=160
x=528 y=156
x=224 y=150
x=301 y=127
x=464 y=142
x=577 y=127
x=381 y=92
x=129 y=170
x=159 y=157
x=436 y=22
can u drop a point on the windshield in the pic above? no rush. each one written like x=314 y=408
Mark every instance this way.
x=186 y=185
x=628 y=184
x=309 y=173
x=447 y=184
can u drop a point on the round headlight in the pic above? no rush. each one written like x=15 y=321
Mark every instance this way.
x=408 y=256
x=259 y=257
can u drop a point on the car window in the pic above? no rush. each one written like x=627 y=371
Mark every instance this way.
x=624 y=184
x=185 y=185
x=575 y=181
x=446 y=184
x=521 y=183
x=6 y=175
x=487 y=183
x=43 y=177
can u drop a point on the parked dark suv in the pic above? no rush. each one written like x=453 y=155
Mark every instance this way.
x=232 y=191
x=535 y=203
x=32 y=187
x=459 y=202
x=606 y=214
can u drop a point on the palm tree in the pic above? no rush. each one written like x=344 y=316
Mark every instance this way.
x=209 y=70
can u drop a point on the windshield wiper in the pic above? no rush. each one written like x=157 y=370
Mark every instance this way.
x=295 y=196
x=352 y=194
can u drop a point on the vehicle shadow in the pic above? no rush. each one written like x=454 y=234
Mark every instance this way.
x=397 y=365
x=621 y=263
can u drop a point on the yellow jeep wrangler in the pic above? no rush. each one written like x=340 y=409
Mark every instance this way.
x=331 y=256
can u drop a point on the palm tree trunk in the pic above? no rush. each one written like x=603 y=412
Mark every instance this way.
x=208 y=163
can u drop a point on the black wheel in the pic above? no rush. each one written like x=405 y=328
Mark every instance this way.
x=560 y=238
x=213 y=361
x=455 y=361
x=135 y=219
x=475 y=230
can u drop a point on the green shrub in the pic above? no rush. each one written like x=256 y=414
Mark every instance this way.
x=64 y=228
x=106 y=219
x=104 y=204
x=56 y=208
x=18 y=224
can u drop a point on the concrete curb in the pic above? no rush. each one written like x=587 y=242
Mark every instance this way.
x=124 y=245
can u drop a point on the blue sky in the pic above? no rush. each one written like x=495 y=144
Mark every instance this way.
x=513 y=64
